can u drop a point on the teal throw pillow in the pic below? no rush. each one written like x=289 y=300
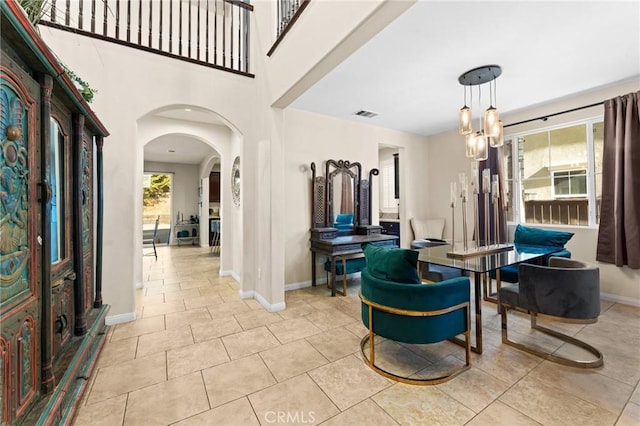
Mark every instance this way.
x=541 y=237
x=392 y=264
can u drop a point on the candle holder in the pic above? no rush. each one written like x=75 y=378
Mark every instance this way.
x=463 y=195
x=453 y=226
x=495 y=196
x=490 y=187
x=454 y=199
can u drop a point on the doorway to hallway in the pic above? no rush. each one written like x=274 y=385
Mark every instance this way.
x=156 y=200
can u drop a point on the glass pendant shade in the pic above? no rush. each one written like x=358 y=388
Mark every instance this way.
x=498 y=141
x=491 y=120
x=470 y=143
x=465 y=120
x=482 y=147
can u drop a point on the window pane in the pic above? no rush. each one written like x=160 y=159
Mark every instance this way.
x=554 y=174
x=562 y=186
x=568 y=148
x=578 y=185
x=56 y=180
x=535 y=156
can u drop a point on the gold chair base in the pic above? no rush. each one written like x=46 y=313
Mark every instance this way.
x=598 y=362
x=422 y=382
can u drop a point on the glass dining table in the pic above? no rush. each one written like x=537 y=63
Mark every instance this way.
x=480 y=265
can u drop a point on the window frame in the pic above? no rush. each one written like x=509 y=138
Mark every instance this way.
x=516 y=181
x=60 y=267
x=584 y=172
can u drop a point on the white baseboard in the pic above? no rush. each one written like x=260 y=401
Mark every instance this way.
x=296 y=286
x=276 y=307
x=246 y=294
x=620 y=299
x=119 y=319
x=323 y=281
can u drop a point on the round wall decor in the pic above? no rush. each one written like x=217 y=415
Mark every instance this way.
x=235 y=181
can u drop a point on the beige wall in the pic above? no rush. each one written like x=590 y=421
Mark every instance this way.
x=447 y=159
x=131 y=84
x=315 y=138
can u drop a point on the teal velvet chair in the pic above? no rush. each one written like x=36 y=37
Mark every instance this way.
x=344 y=267
x=396 y=306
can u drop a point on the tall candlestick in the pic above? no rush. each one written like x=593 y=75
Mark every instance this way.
x=464 y=186
x=495 y=194
x=454 y=194
x=486 y=180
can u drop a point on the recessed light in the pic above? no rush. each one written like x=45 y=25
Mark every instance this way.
x=172 y=150
x=187 y=109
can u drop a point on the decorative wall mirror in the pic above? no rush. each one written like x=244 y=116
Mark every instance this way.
x=343 y=179
x=235 y=181
x=341 y=200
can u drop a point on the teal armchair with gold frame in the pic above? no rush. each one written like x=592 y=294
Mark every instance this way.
x=396 y=306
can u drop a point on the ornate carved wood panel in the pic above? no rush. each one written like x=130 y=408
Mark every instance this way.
x=62 y=315
x=19 y=250
x=16 y=139
x=27 y=363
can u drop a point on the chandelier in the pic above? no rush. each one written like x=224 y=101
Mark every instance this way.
x=489 y=132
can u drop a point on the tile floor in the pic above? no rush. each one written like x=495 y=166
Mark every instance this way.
x=200 y=355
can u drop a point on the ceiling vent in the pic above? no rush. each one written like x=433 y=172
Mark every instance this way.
x=365 y=113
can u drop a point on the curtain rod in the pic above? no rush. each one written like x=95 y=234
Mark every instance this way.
x=546 y=117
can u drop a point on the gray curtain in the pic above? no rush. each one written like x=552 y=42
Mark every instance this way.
x=494 y=163
x=619 y=232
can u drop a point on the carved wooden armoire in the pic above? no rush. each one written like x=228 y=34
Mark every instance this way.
x=51 y=312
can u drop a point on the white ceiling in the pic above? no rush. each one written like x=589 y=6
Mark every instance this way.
x=408 y=73
x=186 y=150
x=182 y=149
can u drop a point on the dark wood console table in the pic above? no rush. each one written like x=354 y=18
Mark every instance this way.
x=343 y=246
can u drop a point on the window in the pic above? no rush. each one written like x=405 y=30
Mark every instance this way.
x=57 y=182
x=570 y=184
x=553 y=176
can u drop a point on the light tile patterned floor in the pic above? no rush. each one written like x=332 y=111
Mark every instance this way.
x=200 y=355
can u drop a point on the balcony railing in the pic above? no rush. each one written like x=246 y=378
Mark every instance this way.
x=288 y=13
x=213 y=33
x=573 y=211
